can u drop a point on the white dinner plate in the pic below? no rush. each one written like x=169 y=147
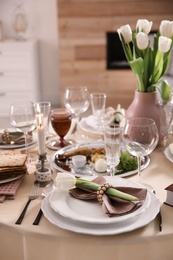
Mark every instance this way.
x=91 y=211
x=85 y=126
x=168 y=154
x=11 y=179
x=89 y=168
x=100 y=229
x=18 y=146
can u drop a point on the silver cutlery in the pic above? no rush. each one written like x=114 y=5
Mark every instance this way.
x=159 y=216
x=45 y=192
x=33 y=195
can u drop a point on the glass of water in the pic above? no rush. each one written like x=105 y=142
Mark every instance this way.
x=112 y=139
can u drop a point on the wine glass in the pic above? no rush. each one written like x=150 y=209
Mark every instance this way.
x=77 y=100
x=112 y=139
x=22 y=117
x=140 y=137
x=61 y=122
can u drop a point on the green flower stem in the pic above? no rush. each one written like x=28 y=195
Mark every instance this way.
x=140 y=83
x=110 y=191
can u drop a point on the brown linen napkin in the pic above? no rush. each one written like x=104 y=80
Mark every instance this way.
x=16 y=138
x=8 y=190
x=112 y=206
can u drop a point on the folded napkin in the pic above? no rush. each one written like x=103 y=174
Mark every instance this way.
x=115 y=115
x=15 y=138
x=8 y=190
x=112 y=206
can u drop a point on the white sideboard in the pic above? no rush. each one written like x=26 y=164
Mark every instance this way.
x=19 y=73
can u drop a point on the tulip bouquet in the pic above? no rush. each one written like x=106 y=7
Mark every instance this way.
x=149 y=63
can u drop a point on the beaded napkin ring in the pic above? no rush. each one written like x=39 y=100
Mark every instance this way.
x=101 y=190
x=6 y=137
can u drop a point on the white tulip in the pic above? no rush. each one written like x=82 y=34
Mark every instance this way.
x=164 y=44
x=166 y=28
x=142 y=40
x=65 y=181
x=144 y=25
x=126 y=32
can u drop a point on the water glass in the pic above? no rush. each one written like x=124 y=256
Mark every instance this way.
x=112 y=139
x=98 y=104
x=44 y=107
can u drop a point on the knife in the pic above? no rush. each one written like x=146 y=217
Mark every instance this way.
x=159 y=216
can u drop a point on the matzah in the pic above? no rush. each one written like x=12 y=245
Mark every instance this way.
x=12 y=158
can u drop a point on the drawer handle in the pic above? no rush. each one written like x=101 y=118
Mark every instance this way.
x=2 y=94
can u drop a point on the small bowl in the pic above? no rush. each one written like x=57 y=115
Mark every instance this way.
x=79 y=161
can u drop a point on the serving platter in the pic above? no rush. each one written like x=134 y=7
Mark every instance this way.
x=67 y=166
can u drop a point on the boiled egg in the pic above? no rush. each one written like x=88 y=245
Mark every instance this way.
x=100 y=165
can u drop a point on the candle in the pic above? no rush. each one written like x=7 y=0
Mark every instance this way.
x=41 y=134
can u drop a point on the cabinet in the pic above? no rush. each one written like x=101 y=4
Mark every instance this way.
x=19 y=74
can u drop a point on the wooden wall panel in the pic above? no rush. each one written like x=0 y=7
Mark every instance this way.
x=96 y=9
x=82 y=29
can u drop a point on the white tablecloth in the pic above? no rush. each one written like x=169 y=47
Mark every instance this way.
x=46 y=241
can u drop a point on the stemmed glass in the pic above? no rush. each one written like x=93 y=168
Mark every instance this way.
x=112 y=139
x=22 y=117
x=140 y=137
x=61 y=122
x=77 y=100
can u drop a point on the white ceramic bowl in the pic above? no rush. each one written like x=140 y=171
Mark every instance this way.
x=79 y=161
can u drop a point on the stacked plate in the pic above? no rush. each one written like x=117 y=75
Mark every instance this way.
x=87 y=124
x=87 y=217
x=17 y=140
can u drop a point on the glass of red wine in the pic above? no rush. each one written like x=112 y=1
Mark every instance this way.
x=61 y=121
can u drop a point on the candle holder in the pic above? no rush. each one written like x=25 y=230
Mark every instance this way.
x=43 y=172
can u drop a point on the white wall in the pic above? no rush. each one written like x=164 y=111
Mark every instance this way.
x=43 y=25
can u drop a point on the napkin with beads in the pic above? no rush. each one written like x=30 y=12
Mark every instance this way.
x=112 y=206
x=8 y=190
x=15 y=138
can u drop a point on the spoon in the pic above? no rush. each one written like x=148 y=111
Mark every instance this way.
x=45 y=192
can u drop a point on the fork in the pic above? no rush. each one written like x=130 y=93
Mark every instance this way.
x=33 y=195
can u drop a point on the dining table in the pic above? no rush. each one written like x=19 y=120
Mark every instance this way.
x=49 y=241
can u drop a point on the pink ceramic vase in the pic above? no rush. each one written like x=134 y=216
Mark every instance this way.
x=146 y=104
